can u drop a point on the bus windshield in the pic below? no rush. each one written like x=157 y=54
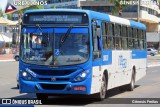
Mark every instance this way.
x=44 y=47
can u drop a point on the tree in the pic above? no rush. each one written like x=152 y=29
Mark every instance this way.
x=32 y=7
x=20 y=12
x=53 y=7
x=1 y=13
x=119 y=5
x=158 y=3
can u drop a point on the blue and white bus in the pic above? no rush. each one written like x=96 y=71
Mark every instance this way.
x=74 y=51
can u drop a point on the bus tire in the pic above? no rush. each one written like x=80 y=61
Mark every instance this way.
x=130 y=87
x=102 y=94
x=17 y=58
x=152 y=54
x=42 y=97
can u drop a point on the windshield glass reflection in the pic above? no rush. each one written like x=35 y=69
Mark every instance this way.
x=39 y=48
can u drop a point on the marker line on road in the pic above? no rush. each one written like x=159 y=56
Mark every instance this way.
x=154 y=71
x=154 y=65
x=7 y=60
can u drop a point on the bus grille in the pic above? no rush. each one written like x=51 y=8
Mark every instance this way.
x=53 y=72
x=57 y=79
x=53 y=86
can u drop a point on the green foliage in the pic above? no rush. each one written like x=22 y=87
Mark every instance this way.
x=9 y=16
x=53 y=7
x=1 y=13
x=118 y=7
x=32 y=7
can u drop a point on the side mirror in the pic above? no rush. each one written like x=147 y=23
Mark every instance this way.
x=99 y=43
x=14 y=38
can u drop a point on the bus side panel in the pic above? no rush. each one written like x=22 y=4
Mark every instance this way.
x=96 y=79
x=98 y=70
x=123 y=67
x=139 y=59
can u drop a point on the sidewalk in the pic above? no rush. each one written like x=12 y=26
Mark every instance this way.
x=6 y=57
x=153 y=64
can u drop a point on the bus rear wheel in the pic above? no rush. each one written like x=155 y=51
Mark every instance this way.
x=102 y=94
x=42 y=97
x=130 y=87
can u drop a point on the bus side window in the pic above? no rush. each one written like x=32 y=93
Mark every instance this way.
x=144 y=39
x=124 y=38
x=135 y=37
x=96 y=41
x=109 y=35
x=117 y=33
x=104 y=36
x=130 y=38
x=140 y=39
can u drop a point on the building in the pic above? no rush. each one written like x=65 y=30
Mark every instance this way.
x=61 y=4
x=72 y=4
x=6 y=31
x=147 y=15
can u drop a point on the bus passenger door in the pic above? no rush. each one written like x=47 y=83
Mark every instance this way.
x=96 y=56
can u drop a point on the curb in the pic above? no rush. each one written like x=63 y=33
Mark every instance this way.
x=7 y=60
x=154 y=65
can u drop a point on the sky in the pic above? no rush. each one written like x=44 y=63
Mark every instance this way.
x=3 y=4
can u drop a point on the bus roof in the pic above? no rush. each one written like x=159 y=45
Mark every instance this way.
x=96 y=15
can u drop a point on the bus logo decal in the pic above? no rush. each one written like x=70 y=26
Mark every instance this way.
x=56 y=52
x=105 y=57
x=122 y=62
x=53 y=79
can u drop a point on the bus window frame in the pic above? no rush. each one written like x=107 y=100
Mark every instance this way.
x=96 y=53
x=130 y=38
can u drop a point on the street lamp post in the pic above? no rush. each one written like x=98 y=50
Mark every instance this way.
x=159 y=43
x=138 y=11
x=19 y=28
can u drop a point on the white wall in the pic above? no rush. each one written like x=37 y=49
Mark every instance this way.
x=152 y=37
x=146 y=16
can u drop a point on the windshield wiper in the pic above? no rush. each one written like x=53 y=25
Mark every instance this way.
x=62 y=40
x=41 y=32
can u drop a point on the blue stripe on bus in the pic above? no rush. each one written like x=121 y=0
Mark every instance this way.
x=34 y=30
x=138 y=54
x=105 y=60
x=57 y=30
x=137 y=25
x=107 y=57
x=73 y=30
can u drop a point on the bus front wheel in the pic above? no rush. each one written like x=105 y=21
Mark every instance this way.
x=102 y=94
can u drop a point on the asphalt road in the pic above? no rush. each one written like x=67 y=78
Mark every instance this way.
x=153 y=59
x=147 y=87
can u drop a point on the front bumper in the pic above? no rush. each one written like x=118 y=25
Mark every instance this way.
x=45 y=87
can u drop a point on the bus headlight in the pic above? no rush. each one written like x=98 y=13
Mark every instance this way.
x=82 y=76
x=28 y=75
x=24 y=74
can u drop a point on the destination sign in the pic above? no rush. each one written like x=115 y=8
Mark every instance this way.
x=55 y=18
